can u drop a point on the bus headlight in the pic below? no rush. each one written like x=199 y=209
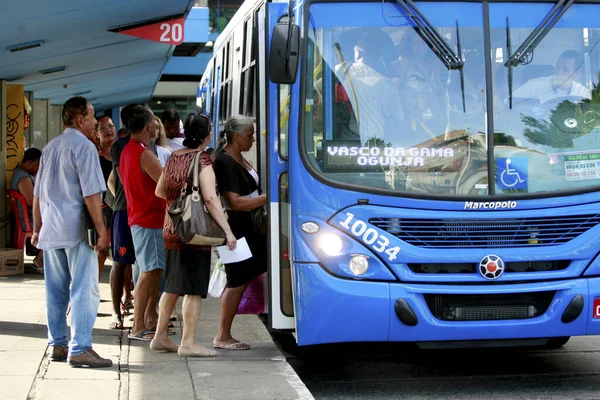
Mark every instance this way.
x=359 y=264
x=310 y=227
x=331 y=244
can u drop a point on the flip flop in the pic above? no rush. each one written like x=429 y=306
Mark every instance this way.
x=141 y=336
x=170 y=332
x=234 y=346
x=115 y=325
x=125 y=308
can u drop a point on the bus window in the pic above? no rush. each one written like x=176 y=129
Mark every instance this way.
x=284 y=119
x=546 y=118
x=387 y=112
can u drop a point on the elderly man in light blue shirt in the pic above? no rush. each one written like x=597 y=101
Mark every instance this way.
x=69 y=179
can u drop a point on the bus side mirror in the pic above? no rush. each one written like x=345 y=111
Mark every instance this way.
x=282 y=70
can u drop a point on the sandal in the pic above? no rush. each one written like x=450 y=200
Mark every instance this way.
x=170 y=332
x=115 y=325
x=233 y=346
x=142 y=336
x=126 y=306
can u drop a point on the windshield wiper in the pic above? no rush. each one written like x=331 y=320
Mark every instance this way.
x=525 y=50
x=436 y=42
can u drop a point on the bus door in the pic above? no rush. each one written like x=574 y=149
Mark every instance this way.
x=281 y=304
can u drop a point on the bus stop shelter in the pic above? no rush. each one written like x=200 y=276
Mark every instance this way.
x=56 y=49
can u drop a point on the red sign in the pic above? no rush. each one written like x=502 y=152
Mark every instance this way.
x=168 y=32
x=596 y=308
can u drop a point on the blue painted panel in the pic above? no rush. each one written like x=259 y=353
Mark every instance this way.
x=329 y=15
x=277 y=165
x=529 y=15
x=330 y=310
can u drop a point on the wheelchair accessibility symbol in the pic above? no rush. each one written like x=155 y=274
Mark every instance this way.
x=512 y=173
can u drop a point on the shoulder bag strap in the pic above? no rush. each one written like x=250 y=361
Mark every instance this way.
x=195 y=177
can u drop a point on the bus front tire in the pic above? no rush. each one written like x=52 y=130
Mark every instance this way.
x=557 y=342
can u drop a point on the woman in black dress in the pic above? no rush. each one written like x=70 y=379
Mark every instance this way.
x=239 y=183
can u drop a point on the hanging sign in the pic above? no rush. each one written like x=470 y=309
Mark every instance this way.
x=168 y=32
x=15 y=119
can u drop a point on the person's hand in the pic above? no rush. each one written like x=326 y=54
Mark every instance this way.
x=35 y=238
x=231 y=241
x=102 y=243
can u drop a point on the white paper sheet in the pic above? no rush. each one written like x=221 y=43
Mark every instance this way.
x=242 y=252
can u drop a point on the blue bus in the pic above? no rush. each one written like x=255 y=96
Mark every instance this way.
x=432 y=167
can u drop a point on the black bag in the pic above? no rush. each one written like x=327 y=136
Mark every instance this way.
x=89 y=230
x=259 y=219
x=191 y=220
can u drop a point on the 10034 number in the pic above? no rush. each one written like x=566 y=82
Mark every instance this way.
x=370 y=236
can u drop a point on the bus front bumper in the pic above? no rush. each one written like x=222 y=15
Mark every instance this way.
x=329 y=309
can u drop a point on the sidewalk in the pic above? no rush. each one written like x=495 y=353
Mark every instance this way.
x=137 y=372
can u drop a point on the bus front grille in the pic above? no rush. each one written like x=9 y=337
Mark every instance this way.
x=487 y=233
x=471 y=268
x=495 y=307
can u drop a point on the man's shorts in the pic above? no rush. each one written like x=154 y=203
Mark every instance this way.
x=149 y=248
x=123 y=250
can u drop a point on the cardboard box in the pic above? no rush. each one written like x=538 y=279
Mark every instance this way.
x=11 y=262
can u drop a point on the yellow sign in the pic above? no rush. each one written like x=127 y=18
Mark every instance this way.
x=15 y=118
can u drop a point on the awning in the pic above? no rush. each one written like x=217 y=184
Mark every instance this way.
x=63 y=48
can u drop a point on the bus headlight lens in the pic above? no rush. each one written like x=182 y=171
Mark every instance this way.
x=331 y=244
x=359 y=264
x=310 y=227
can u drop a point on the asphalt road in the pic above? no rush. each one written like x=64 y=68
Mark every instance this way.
x=375 y=371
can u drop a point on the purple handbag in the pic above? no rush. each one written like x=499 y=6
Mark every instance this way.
x=253 y=299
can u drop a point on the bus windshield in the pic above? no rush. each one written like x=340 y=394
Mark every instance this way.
x=382 y=110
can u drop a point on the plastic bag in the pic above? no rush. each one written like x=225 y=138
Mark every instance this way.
x=253 y=299
x=218 y=280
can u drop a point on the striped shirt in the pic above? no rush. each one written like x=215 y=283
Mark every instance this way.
x=69 y=171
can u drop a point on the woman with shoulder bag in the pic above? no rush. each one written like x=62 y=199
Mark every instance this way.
x=188 y=266
x=240 y=185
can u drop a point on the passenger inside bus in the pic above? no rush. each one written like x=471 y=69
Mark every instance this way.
x=375 y=101
x=561 y=84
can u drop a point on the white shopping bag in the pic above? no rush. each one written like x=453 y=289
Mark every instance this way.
x=218 y=280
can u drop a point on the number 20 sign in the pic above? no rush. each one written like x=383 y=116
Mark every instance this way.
x=168 y=32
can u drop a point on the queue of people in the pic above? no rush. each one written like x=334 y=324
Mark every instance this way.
x=126 y=182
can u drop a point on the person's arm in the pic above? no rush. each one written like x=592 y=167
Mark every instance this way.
x=111 y=182
x=94 y=206
x=213 y=204
x=161 y=187
x=37 y=221
x=150 y=165
x=239 y=203
x=93 y=186
x=26 y=189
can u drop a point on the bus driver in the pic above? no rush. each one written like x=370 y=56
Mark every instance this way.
x=561 y=84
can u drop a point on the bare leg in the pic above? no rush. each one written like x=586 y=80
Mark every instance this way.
x=230 y=302
x=191 y=313
x=116 y=289
x=143 y=289
x=161 y=339
x=151 y=316
x=128 y=283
